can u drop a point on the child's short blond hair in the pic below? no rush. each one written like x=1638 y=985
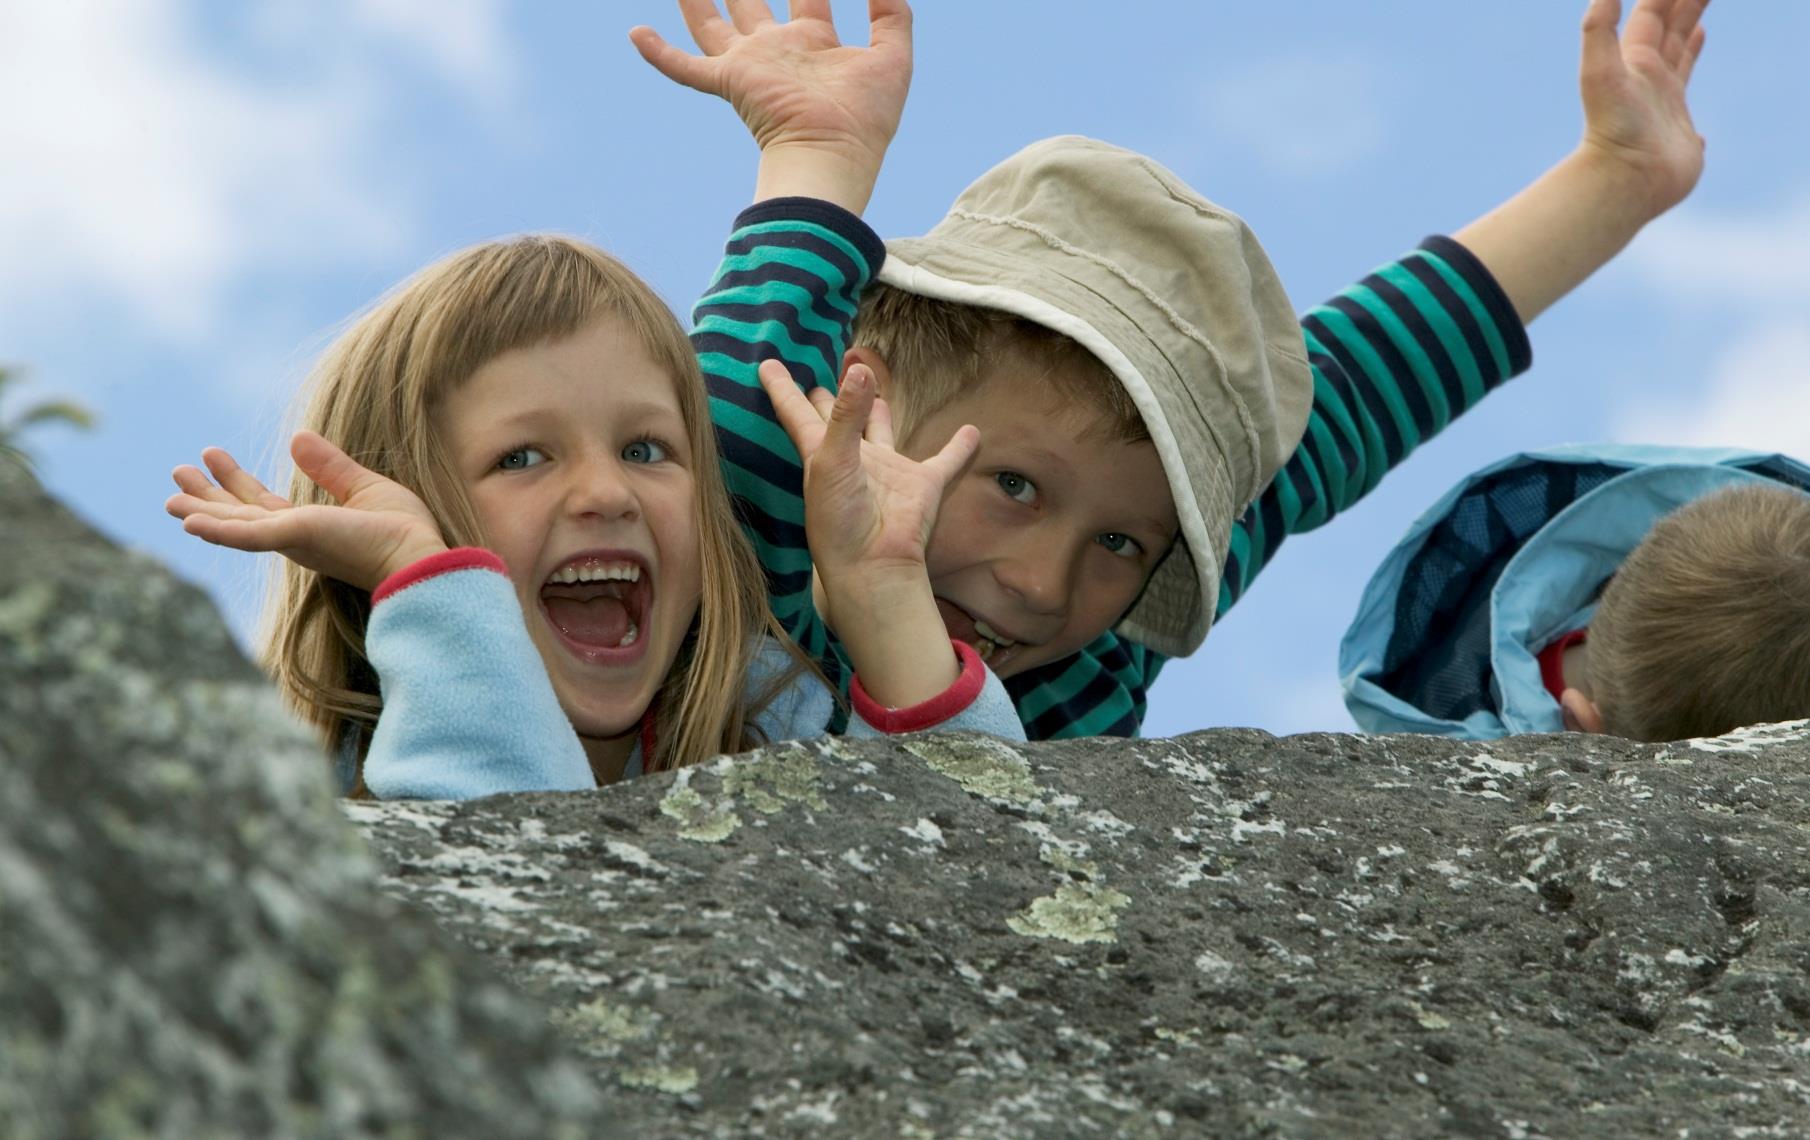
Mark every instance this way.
x=939 y=350
x=1705 y=628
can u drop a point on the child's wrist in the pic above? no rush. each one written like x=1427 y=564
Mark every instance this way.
x=407 y=554
x=1620 y=186
x=889 y=625
x=904 y=666
x=842 y=174
x=869 y=596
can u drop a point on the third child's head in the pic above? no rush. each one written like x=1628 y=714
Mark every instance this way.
x=544 y=403
x=1137 y=375
x=1706 y=625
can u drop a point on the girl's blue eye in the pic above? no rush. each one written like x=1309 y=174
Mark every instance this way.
x=521 y=458
x=645 y=451
x=1122 y=545
x=1017 y=487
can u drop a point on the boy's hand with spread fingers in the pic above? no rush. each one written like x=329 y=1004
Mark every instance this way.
x=1633 y=89
x=379 y=528
x=869 y=511
x=822 y=113
x=1639 y=156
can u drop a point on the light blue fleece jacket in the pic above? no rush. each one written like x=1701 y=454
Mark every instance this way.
x=468 y=709
x=1447 y=635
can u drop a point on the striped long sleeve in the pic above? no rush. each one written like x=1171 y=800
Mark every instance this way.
x=789 y=283
x=1395 y=357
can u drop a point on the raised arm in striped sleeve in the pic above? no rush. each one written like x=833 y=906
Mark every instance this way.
x=1396 y=357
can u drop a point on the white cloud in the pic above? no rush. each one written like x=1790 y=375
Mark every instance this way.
x=462 y=41
x=1301 y=115
x=1755 y=260
x=147 y=172
x=1757 y=396
x=1755 y=266
x=459 y=37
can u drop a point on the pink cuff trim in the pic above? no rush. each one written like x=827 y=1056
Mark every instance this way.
x=434 y=565
x=946 y=705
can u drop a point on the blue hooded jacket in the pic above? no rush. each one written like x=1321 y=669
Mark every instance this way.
x=1446 y=634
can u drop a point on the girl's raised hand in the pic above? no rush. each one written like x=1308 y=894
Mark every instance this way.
x=1633 y=89
x=379 y=528
x=822 y=113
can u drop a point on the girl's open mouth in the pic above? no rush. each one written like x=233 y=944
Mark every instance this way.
x=599 y=606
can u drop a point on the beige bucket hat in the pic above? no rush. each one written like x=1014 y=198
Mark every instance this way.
x=1175 y=296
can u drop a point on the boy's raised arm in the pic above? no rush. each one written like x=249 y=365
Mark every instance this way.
x=1639 y=156
x=1419 y=342
x=1401 y=353
x=823 y=114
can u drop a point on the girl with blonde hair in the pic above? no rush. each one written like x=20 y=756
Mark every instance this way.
x=508 y=518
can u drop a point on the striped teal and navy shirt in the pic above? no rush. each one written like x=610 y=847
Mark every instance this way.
x=1396 y=357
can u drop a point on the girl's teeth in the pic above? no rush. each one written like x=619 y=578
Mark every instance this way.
x=628 y=638
x=612 y=572
x=985 y=647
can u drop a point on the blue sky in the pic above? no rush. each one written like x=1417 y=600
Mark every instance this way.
x=196 y=194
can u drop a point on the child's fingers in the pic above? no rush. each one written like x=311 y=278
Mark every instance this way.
x=889 y=24
x=749 y=15
x=1684 y=32
x=236 y=481
x=1691 y=51
x=955 y=456
x=185 y=504
x=1672 y=49
x=332 y=469
x=1602 y=53
x=809 y=10
x=876 y=416
x=1647 y=24
x=800 y=420
x=708 y=29
x=191 y=481
x=681 y=67
x=255 y=536
x=848 y=418
x=879 y=424
x=822 y=400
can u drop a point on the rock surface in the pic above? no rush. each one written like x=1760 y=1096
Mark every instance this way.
x=191 y=939
x=1222 y=934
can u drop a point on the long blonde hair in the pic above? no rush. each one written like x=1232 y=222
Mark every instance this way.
x=375 y=392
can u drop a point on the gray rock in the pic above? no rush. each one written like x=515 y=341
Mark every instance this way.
x=191 y=940
x=1222 y=934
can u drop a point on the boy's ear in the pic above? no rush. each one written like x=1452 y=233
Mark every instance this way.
x=861 y=354
x=1581 y=713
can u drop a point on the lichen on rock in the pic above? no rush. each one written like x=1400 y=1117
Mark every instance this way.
x=1077 y=912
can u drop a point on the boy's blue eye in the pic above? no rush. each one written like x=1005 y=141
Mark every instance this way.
x=1123 y=545
x=645 y=451
x=1017 y=487
x=521 y=458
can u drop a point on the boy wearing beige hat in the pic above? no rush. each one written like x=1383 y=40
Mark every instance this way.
x=1153 y=419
